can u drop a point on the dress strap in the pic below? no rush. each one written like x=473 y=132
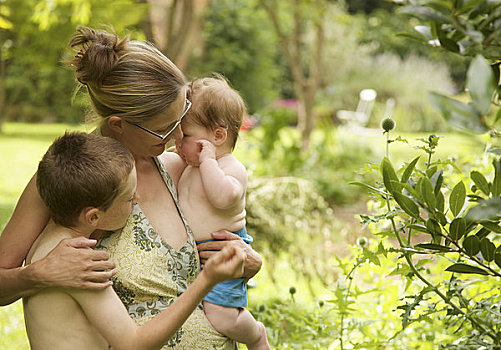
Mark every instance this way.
x=173 y=191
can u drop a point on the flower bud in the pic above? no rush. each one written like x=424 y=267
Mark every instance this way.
x=388 y=124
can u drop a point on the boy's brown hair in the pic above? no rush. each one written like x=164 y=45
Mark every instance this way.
x=216 y=104
x=82 y=170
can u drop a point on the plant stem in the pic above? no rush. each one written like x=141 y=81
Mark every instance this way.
x=350 y=276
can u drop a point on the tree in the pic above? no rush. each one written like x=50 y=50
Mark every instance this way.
x=293 y=22
x=238 y=42
x=34 y=86
x=174 y=26
x=5 y=26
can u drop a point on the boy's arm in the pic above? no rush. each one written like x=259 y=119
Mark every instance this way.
x=68 y=265
x=223 y=187
x=106 y=312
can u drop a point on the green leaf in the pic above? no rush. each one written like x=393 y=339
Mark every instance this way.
x=471 y=245
x=480 y=83
x=432 y=246
x=485 y=210
x=440 y=202
x=448 y=44
x=425 y=31
x=433 y=227
x=371 y=257
x=496 y=184
x=389 y=174
x=491 y=226
x=487 y=248
x=371 y=188
x=458 y=114
x=480 y=181
x=497 y=256
x=428 y=194
x=436 y=180
x=457 y=198
x=463 y=268
x=409 y=169
x=483 y=232
x=407 y=205
x=457 y=229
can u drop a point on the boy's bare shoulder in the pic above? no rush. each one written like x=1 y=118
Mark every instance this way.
x=50 y=237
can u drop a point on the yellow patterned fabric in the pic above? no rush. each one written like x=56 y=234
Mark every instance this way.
x=151 y=275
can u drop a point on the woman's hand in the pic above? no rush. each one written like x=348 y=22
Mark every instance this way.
x=226 y=264
x=73 y=264
x=252 y=262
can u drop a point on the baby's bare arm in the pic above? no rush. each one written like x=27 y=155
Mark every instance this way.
x=224 y=180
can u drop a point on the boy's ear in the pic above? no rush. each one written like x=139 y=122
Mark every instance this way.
x=220 y=136
x=116 y=124
x=90 y=216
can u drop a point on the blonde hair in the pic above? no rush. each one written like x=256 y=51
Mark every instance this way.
x=128 y=79
x=216 y=104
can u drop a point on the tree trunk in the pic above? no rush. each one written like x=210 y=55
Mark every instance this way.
x=3 y=100
x=306 y=81
x=173 y=25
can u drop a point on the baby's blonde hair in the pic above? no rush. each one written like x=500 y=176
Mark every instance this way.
x=216 y=104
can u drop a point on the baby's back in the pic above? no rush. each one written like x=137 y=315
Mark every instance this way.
x=201 y=215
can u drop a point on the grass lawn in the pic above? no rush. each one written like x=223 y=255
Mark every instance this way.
x=22 y=145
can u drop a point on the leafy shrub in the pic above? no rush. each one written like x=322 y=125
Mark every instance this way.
x=430 y=219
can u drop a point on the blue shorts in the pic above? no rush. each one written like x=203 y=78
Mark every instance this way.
x=232 y=293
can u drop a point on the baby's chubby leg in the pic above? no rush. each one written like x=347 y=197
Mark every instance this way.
x=237 y=324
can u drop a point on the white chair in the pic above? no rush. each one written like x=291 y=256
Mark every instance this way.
x=361 y=115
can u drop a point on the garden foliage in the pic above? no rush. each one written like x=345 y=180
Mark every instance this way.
x=427 y=214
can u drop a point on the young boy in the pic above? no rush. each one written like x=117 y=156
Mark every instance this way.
x=211 y=192
x=88 y=182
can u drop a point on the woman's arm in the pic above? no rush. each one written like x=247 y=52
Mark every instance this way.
x=253 y=261
x=106 y=312
x=70 y=264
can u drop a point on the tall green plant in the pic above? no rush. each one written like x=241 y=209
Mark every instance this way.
x=431 y=218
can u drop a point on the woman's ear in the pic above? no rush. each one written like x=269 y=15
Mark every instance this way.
x=220 y=136
x=116 y=124
x=91 y=216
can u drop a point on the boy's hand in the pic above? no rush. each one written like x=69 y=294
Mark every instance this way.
x=207 y=150
x=226 y=264
x=73 y=264
x=253 y=261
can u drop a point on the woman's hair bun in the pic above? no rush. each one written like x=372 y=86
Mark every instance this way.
x=99 y=54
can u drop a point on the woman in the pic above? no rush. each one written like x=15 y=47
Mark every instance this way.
x=140 y=98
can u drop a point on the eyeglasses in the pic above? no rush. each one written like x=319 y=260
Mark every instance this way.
x=163 y=137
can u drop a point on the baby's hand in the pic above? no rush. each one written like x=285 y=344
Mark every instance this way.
x=207 y=150
x=226 y=264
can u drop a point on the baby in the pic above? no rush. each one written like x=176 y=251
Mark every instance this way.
x=211 y=193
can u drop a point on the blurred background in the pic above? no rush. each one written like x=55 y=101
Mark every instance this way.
x=318 y=77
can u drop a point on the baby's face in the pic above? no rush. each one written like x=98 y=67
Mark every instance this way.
x=188 y=147
x=116 y=215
